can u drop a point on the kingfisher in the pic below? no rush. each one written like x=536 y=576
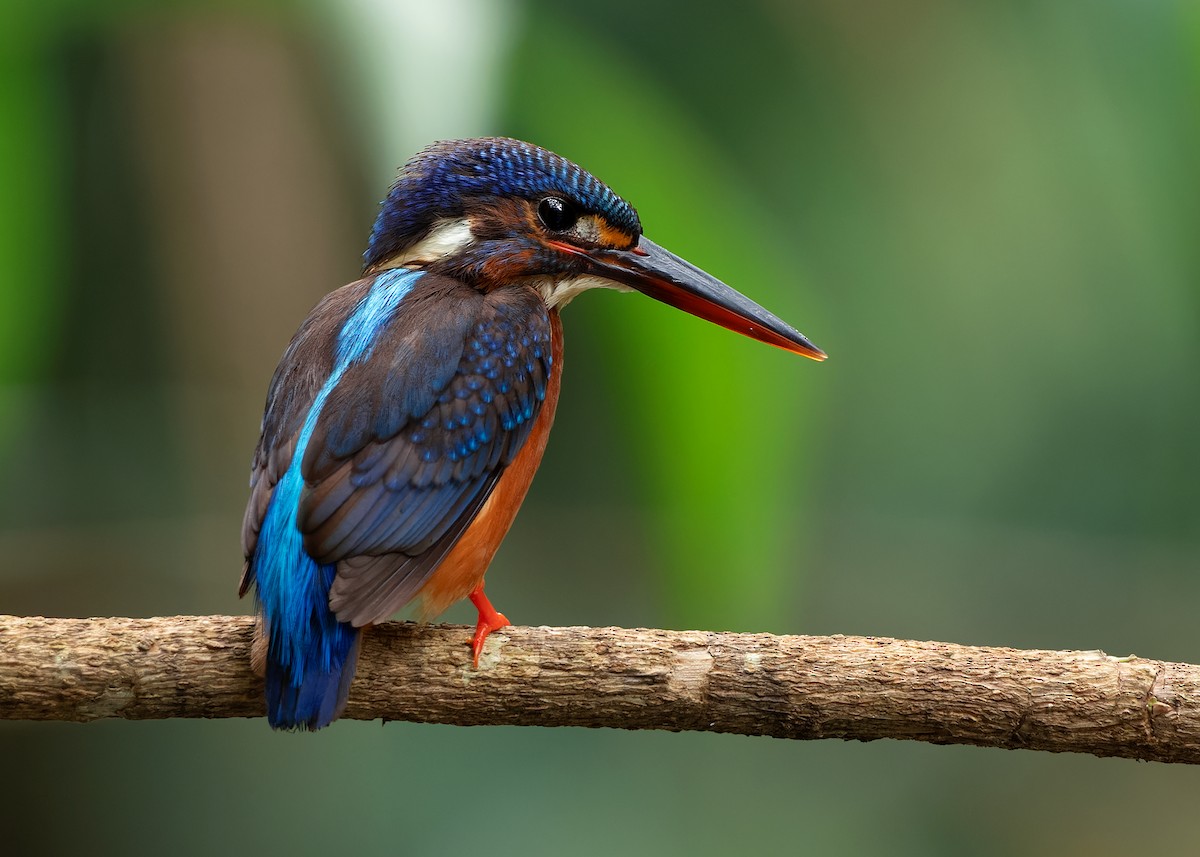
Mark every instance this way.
x=407 y=417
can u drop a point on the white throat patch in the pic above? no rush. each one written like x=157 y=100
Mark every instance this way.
x=558 y=293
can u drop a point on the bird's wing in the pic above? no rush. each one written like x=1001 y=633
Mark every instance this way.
x=303 y=369
x=412 y=439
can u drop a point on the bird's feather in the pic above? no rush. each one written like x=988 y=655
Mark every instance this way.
x=411 y=441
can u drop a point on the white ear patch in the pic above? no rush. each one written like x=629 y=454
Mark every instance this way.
x=558 y=293
x=446 y=238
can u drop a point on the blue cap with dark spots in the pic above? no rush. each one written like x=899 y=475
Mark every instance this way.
x=440 y=180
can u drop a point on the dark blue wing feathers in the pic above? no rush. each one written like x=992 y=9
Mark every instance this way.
x=455 y=381
x=370 y=587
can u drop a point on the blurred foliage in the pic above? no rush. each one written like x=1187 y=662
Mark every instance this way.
x=31 y=151
x=705 y=416
x=986 y=214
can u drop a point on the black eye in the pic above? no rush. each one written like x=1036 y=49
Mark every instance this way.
x=558 y=215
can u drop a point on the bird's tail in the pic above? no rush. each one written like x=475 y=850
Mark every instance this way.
x=311 y=657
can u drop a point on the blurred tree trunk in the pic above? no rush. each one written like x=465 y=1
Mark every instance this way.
x=253 y=211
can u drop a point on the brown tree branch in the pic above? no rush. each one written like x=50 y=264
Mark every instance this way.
x=859 y=688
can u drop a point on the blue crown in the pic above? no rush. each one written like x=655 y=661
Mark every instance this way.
x=440 y=180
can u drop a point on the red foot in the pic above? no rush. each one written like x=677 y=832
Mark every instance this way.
x=489 y=620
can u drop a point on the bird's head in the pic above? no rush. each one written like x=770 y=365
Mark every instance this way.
x=494 y=211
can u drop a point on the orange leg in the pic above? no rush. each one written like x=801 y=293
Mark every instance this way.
x=489 y=620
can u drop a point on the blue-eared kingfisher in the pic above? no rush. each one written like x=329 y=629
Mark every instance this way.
x=407 y=417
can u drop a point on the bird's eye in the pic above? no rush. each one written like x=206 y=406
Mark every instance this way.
x=557 y=214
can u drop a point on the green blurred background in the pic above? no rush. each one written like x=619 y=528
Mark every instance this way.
x=986 y=213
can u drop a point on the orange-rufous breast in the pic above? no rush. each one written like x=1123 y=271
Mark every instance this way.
x=463 y=568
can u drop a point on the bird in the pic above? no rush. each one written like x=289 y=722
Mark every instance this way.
x=408 y=414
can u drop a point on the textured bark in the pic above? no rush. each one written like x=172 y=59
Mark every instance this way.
x=859 y=688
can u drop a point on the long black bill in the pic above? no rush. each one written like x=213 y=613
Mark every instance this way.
x=665 y=277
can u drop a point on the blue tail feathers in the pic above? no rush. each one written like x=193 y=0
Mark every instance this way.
x=308 y=680
x=311 y=656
